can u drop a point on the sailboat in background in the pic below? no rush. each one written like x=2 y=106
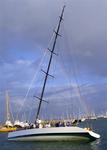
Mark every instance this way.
x=58 y=132
x=8 y=126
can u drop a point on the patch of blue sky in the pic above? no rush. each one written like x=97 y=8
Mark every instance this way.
x=31 y=54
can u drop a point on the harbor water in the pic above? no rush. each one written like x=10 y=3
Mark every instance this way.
x=99 y=126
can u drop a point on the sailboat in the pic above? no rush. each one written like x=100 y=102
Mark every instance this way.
x=62 y=133
x=8 y=126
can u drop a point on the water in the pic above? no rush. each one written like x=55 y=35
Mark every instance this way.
x=99 y=125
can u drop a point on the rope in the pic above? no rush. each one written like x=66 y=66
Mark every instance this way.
x=32 y=81
x=81 y=99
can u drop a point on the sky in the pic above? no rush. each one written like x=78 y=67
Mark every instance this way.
x=26 y=31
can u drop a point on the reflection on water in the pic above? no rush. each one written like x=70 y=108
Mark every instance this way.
x=52 y=145
x=95 y=144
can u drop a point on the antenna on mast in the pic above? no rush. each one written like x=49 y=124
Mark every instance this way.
x=49 y=64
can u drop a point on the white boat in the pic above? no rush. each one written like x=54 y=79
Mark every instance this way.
x=8 y=123
x=52 y=133
x=20 y=124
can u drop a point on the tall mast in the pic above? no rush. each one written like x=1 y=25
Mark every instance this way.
x=7 y=106
x=49 y=64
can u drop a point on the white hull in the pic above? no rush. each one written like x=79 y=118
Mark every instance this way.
x=53 y=134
